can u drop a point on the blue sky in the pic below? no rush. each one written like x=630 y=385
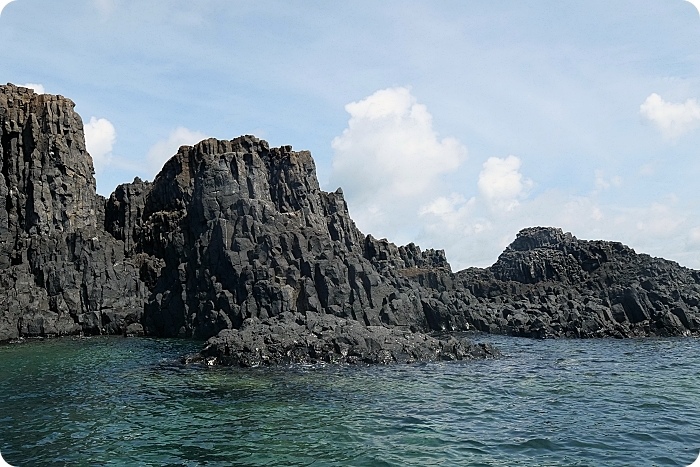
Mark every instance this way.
x=452 y=124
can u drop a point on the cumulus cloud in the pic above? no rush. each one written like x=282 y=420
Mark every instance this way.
x=38 y=88
x=405 y=183
x=100 y=137
x=502 y=184
x=443 y=205
x=389 y=157
x=393 y=135
x=164 y=149
x=449 y=212
x=454 y=216
x=474 y=234
x=672 y=119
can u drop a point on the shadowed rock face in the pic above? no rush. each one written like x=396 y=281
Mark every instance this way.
x=236 y=236
x=62 y=273
x=47 y=176
x=235 y=229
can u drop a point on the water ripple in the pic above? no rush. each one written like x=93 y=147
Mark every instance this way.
x=546 y=403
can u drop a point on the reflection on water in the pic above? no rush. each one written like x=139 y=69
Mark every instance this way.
x=114 y=401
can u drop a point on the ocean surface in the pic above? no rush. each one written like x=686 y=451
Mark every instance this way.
x=118 y=401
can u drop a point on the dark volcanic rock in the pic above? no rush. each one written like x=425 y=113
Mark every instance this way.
x=549 y=284
x=244 y=231
x=229 y=232
x=235 y=239
x=321 y=338
x=62 y=273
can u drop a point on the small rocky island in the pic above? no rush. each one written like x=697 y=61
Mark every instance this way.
x=236 y=243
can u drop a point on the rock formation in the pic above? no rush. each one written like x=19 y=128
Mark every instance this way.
x=235 y=241
x=549 y=284
x=62 y=273
x=311 y=337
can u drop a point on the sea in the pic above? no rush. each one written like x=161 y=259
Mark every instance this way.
x=131 y=402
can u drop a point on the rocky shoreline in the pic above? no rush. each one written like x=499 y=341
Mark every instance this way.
x=235 y=242
x=312 y=338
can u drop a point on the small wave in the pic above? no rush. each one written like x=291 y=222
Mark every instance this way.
x=643 y=437
x=533 y=444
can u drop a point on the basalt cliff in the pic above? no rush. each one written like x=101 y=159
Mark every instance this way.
x=235 y=242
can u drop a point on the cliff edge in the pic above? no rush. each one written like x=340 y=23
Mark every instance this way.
x=62 y=273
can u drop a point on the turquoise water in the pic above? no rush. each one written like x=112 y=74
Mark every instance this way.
x=115 y=401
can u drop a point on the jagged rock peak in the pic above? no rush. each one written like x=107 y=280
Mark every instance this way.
x=62 y=273
x=14 y=90
x=547 y=253
x=245 y=167
x=47 y=174
x=537 y=237
x=233 y=232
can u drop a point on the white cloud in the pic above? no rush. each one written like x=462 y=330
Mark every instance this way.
x=473 y=234
x=390 y=156
x=100 y=136
x=673 y=120
x=38 y=88
x=390 y=132
x=449 y=212
x=163 y=150
x=501 y=182
x=443 y=206
x=476 y=211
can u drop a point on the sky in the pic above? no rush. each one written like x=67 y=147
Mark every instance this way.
x=450 y=124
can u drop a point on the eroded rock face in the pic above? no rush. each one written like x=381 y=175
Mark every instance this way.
x=244 y=231
x=235 y=239
x=47 y=175
x=62 y=273
x=230 y=231
x=547 y=283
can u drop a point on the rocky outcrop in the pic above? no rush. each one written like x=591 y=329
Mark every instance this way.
x=547 y=283
x=241 y=230
x=235 y=241
x=62 y=273
x=228 y=232
x=321 y=338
